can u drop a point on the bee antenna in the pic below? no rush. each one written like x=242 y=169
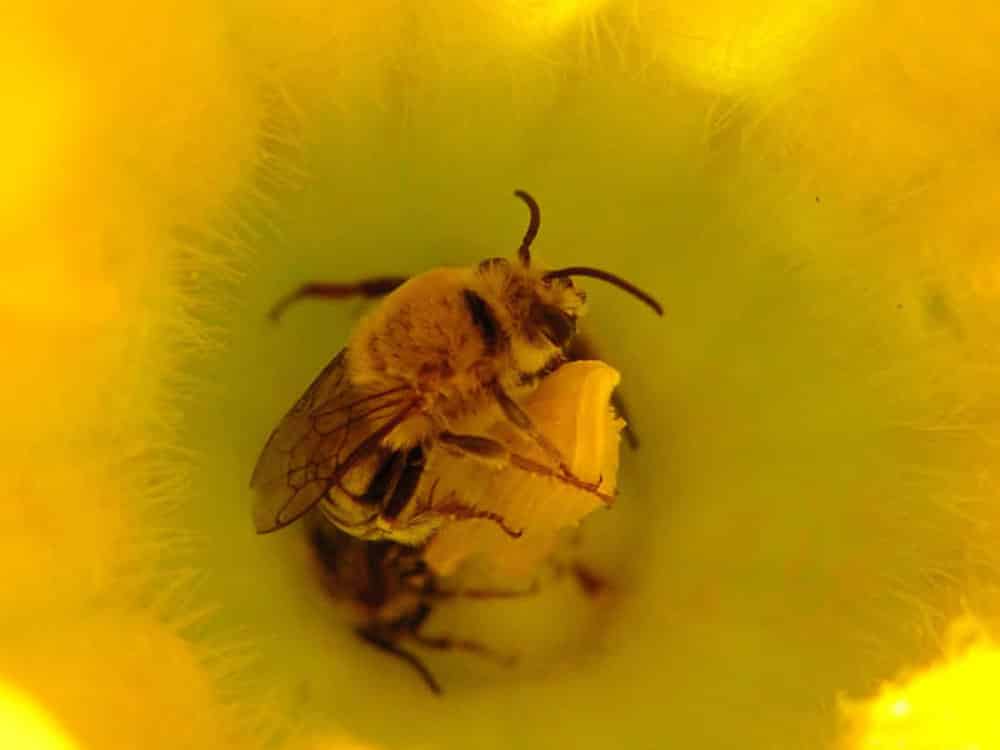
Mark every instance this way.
x=524 y=252
x=597 y=273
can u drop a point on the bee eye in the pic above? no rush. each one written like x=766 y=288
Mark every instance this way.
x=555 y=324
x=493 y=263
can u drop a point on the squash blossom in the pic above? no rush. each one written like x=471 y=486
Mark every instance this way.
x=803 y=551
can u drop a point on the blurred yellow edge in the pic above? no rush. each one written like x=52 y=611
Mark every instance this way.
x=24 y=725
x=951 y=704
x=572 y=408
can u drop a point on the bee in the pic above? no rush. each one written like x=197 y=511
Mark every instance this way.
x=392 y=593
x=445 y=353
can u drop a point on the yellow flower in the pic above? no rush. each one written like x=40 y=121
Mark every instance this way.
x=571 y=408
x=810 y=188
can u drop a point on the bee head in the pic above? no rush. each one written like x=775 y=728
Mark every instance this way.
x=553 y=311
x=557 y=301
x=542 y=307
x=543 y=313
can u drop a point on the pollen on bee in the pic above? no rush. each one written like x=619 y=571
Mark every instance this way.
x=572 y=409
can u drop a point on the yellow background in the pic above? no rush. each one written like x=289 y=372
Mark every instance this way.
x=811 y=189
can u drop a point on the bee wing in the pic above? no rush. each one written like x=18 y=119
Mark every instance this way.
x=332 y=427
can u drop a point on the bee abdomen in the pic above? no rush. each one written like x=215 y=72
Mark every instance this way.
x=409 y=478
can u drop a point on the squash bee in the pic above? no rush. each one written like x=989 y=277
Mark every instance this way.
x=442 y=349
x=392 y=590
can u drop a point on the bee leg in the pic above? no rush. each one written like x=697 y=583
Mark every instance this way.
x=446 y=643
x=485 y=593
x=406 y=484
x=383 y=637
x=591 y=583
x=493 y=452
x=583 y=347
x=412 y=622
x=533 y=467
x=374 y=287
x=520 y=419
x=410 y=476
x=461 y=512
x=485 y=449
